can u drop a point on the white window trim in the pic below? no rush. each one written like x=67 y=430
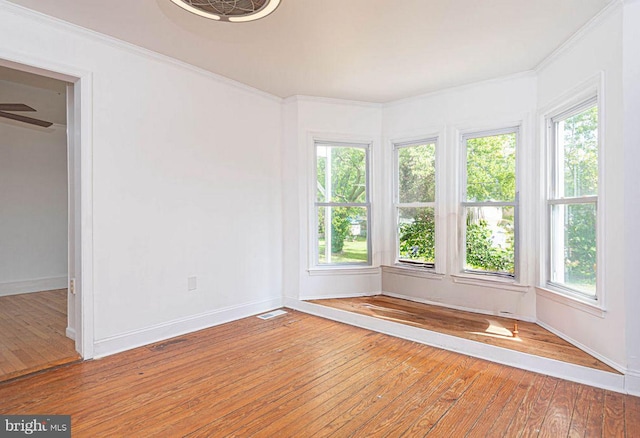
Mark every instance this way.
x=412 y=271
x=358 y=268
x=397 y=145
x=488 y=280
x=591 y=88
x=343 y=270
x=463 y=275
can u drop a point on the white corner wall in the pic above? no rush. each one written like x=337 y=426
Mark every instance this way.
x=33 y=207
x=186 y=183
x=498 y=103
x=598 y=49
x=304 y=118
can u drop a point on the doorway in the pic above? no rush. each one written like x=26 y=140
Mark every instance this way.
x=39 y=311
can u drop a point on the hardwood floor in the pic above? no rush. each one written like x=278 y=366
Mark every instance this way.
x=32 y=333
x=298 y=375
x=488 y=329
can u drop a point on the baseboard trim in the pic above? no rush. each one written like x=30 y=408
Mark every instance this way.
x=464 y=309
x=582 y=347
x=70 y=333
x=632 y=383
x=159 y=332
x=336 y=296
x=529 y=362
x=35 y=285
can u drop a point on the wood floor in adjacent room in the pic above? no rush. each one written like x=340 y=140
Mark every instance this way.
x=32 y=333
x=299 y=375
x=488 y=329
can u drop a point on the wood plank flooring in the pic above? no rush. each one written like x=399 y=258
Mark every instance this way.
x=488 y=329
x=32 y=333
x=298 y=375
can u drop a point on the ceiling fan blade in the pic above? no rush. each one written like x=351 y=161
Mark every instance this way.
x=25 y=119
x=15 y=107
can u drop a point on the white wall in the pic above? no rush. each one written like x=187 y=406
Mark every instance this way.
x=493 y=104
x=597 y=49
x=328 y=119
x=33 y=207
x=186 y=182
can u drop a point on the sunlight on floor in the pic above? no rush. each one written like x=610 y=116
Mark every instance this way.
x=497 y=330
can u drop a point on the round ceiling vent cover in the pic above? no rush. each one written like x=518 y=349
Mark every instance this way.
x=229 y=10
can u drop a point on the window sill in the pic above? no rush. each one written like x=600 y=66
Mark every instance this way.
x=344 y=270
x=586 y=305
x=413 y=271
x=488 y=281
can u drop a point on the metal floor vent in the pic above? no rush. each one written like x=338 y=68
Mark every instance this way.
x=272 y=314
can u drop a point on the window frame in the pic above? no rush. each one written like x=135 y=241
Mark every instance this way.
x=397 y=205
x=464 y=204
x=569 y=109
x=315 y=204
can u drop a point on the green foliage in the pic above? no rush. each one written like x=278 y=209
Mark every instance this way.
x=340 y=227
x=348 y=185
x=348 y=174
x=483 y=254
x=491 y=176
x=580 y=141
x=417 y=173
x=580 y=246
x=354 y=251
x=417 y=239
x=579 y=135
x=491 y=168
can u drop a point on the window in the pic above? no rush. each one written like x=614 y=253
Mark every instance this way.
x=490 y=202
x=573 y=199
x=415 y=198
x=342 y=206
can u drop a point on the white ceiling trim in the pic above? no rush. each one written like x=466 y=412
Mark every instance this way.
x=332 y=101
x=506 y=78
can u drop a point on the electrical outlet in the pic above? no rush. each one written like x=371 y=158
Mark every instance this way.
x=192 y=283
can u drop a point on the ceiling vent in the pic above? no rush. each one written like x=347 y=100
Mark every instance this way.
x=235 y=11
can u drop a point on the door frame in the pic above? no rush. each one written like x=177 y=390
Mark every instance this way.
x=80 y=189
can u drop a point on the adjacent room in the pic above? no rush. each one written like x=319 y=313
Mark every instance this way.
x=33 y=224
x=297 y=218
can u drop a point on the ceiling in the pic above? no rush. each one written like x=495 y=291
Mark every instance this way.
x=369 y=50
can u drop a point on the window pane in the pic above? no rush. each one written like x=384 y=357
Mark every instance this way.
x=417 y=173
x=573 y=246
x=416 y=234
x=491 y=168
x=321 y=166
x=342 y=235
x=577 y=138
x=341 y=174
x=490 y=239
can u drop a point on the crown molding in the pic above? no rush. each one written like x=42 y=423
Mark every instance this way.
x=505 y=78
x=332 y=101
x=132 y=48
